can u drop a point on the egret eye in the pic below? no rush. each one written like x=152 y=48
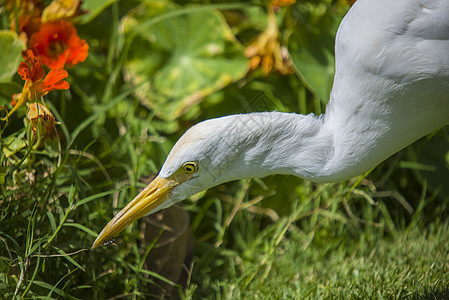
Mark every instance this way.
x=190 y=167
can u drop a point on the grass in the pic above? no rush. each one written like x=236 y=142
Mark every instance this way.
x=278 y=237
x=408 y=265
x=325 y=254
x=274 y=238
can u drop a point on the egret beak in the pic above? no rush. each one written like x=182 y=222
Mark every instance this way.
x=156 y=193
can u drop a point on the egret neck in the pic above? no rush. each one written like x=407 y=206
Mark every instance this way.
x=391 y=87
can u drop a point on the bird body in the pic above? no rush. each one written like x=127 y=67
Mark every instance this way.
x=391 y=87
x=391 y=84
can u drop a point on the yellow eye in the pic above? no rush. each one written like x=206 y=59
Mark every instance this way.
x=190 y=167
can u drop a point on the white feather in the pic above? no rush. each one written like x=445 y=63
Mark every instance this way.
x=391 y=87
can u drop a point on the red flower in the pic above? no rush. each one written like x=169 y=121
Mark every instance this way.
x=58 y=44
x=25 y=16
x=54 y=81
x=37 y=84
x=30 y=69
x=29 y=24
x=280 y=3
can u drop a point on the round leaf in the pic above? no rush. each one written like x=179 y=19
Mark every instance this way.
x=184 y=58
x=10 y=54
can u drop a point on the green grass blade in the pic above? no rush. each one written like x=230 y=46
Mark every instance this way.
x=100 y=195
x=81 y=227
x=71 y=260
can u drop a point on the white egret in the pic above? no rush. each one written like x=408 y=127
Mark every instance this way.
x=391 y=87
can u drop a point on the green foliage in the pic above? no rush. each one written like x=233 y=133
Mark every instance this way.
x=312 y=47
x=93 y=8
x=430 y=160
x=154 y=69
x=8 y=89
x=183 y=58
x=10 y=54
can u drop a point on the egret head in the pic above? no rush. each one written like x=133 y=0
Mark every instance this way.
x=205 y=156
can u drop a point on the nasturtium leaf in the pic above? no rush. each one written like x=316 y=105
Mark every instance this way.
x=311 y=47
x=316 y=72
x=183 y=58
x=12 y=145
x=10 y=54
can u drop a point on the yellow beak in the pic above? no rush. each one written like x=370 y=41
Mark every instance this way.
x=156 y=193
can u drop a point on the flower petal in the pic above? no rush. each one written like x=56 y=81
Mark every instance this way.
x=58 y=44
x=30 y=69
x=55 y=81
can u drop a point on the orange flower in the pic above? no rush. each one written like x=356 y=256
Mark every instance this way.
x=32 y=72
x=28 y=25
x=30 y=69
x=15 y=99
x=58 y=44
x=29 y=16
x=280 y=3
x=37 y=84
x=54 y=81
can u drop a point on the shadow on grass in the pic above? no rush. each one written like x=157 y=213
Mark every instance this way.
x=431 y=294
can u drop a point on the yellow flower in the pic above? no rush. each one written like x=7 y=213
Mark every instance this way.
x=266 y=52
x=62 y=9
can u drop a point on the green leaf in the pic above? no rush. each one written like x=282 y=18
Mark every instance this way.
x=52 y=289
x=10 y=54
x=12 y=145
x=2 y=174
x=51 y=218
x=93 y=8
x=184 y=58
x=312 y=50
x=433 y=154
x=150 y=273
x=7 y=89
x=71 y=260
x=81 y=227
x=99 y=195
